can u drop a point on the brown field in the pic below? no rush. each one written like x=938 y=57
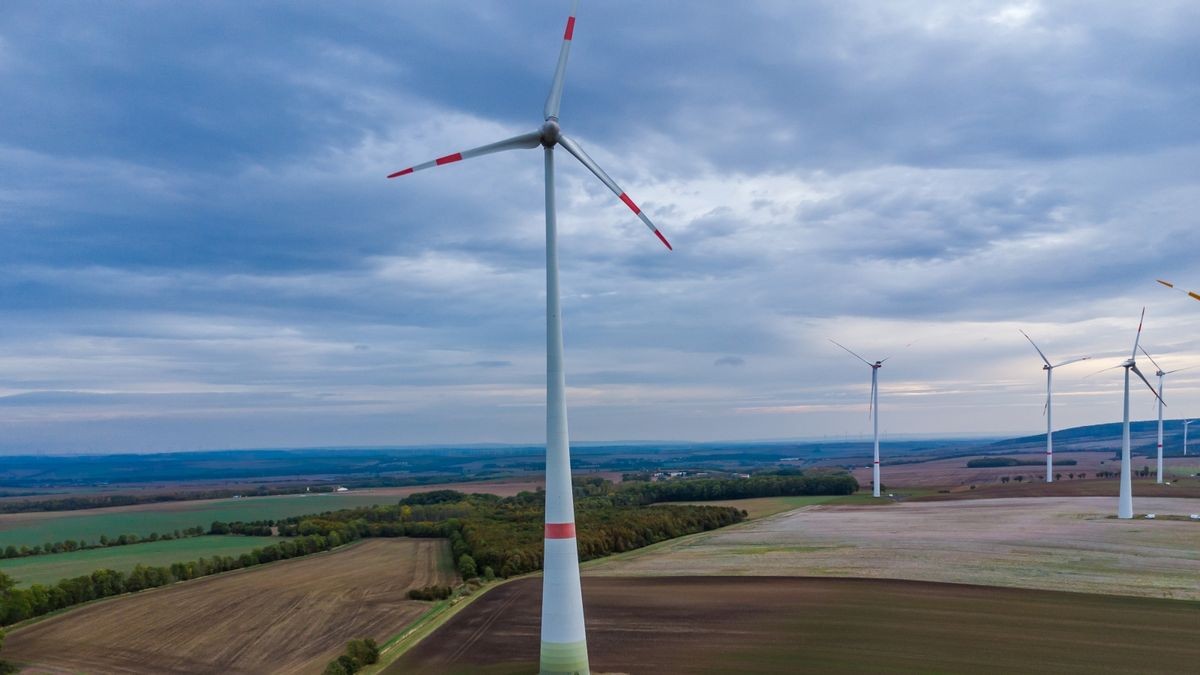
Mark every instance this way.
x=1053 y=543
x=1103 y=487
x=287 y=617
x=954 y=472
x=806 y=625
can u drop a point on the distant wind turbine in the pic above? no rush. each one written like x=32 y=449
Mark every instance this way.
x=873 y=410
x=1047 y=411
x=564 y=639
x=1192 y=295
x=1162 y=374
x=1125 y=500
x=1185 y=426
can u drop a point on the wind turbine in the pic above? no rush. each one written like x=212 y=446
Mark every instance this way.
x=1047 y=411
x=1125 y=500
x=1192 y=295
x=564 y=639
x=873 y=411
x=1162 y=374
x=1185 y=426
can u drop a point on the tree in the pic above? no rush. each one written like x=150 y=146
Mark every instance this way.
x=1019 y=478
x=365 y=651
x=1058 y=476
x=335 y=668
x=466 y=566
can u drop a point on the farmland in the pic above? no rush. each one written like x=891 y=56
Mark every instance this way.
x=291 y=616
x=806 y=625
x=954 y=472
x=29 y=529
x=1049 y=543
x=48 y=569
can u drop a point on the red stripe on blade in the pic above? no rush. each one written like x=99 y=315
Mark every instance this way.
x=570 y=28
x=629 y=202
x=663 y=240
x=405 y=172
x=560 y=530
x=456 y=157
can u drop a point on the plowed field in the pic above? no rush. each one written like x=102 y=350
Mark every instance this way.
x=288 y=617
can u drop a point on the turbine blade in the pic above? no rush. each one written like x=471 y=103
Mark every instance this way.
x=530 y=140
x=852 y=353
x=1177 y=370
x=1156 y=366
x=1190 y=294
x=1070 y=361
x=1152 y=389
x=885 y=360
x=1138 y=337
x=573 y=148
x=1039 y=351
x=556 y=88
x=1046 y=408
x=1104 y=370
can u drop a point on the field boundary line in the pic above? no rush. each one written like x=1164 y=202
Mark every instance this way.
x=433 y=618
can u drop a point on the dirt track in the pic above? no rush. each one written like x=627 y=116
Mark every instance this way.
x=289 y=617
x=805 y=625
x=1053 y=543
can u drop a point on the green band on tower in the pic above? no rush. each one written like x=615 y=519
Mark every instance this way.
x=564 y=658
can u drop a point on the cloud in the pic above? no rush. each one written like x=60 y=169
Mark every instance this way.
x=201 y=249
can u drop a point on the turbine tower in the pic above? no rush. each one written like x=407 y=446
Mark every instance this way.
x=1185 y=426
x=1162 y=374
x=1047 y=411
x=873 y=412
x=564 y=639
x=1125 y=501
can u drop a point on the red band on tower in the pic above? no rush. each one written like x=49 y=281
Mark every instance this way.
x=560 y=530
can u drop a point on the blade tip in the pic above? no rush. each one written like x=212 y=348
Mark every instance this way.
x=402 y=172
x=664 y=240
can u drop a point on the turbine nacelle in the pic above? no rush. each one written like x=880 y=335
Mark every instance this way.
x=551 y=133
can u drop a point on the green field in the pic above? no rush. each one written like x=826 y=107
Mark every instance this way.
x=48 y=569
x=30 y=529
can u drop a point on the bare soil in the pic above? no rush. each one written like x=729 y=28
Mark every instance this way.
x=954 y=473
x=1053 y=543
x=807 y=625
x=288 y=617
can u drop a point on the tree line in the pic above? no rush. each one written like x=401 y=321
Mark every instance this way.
x=18 y=604
x=69 y=545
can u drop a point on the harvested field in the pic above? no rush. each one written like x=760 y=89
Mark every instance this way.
x=1104 y=487
x=287 y=617
x=955 y=473
x=1052 y=543
x=806 y=625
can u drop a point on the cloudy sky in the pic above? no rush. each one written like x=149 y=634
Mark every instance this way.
x=200 y=249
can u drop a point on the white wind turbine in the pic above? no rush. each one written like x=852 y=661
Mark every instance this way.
x=564 y=639
x=873 y=411
x=1185 y=426
x=1162 y=374
x=1125 y=500
x=1048 y=411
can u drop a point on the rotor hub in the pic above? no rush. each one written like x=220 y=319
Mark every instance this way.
x=550 y=133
